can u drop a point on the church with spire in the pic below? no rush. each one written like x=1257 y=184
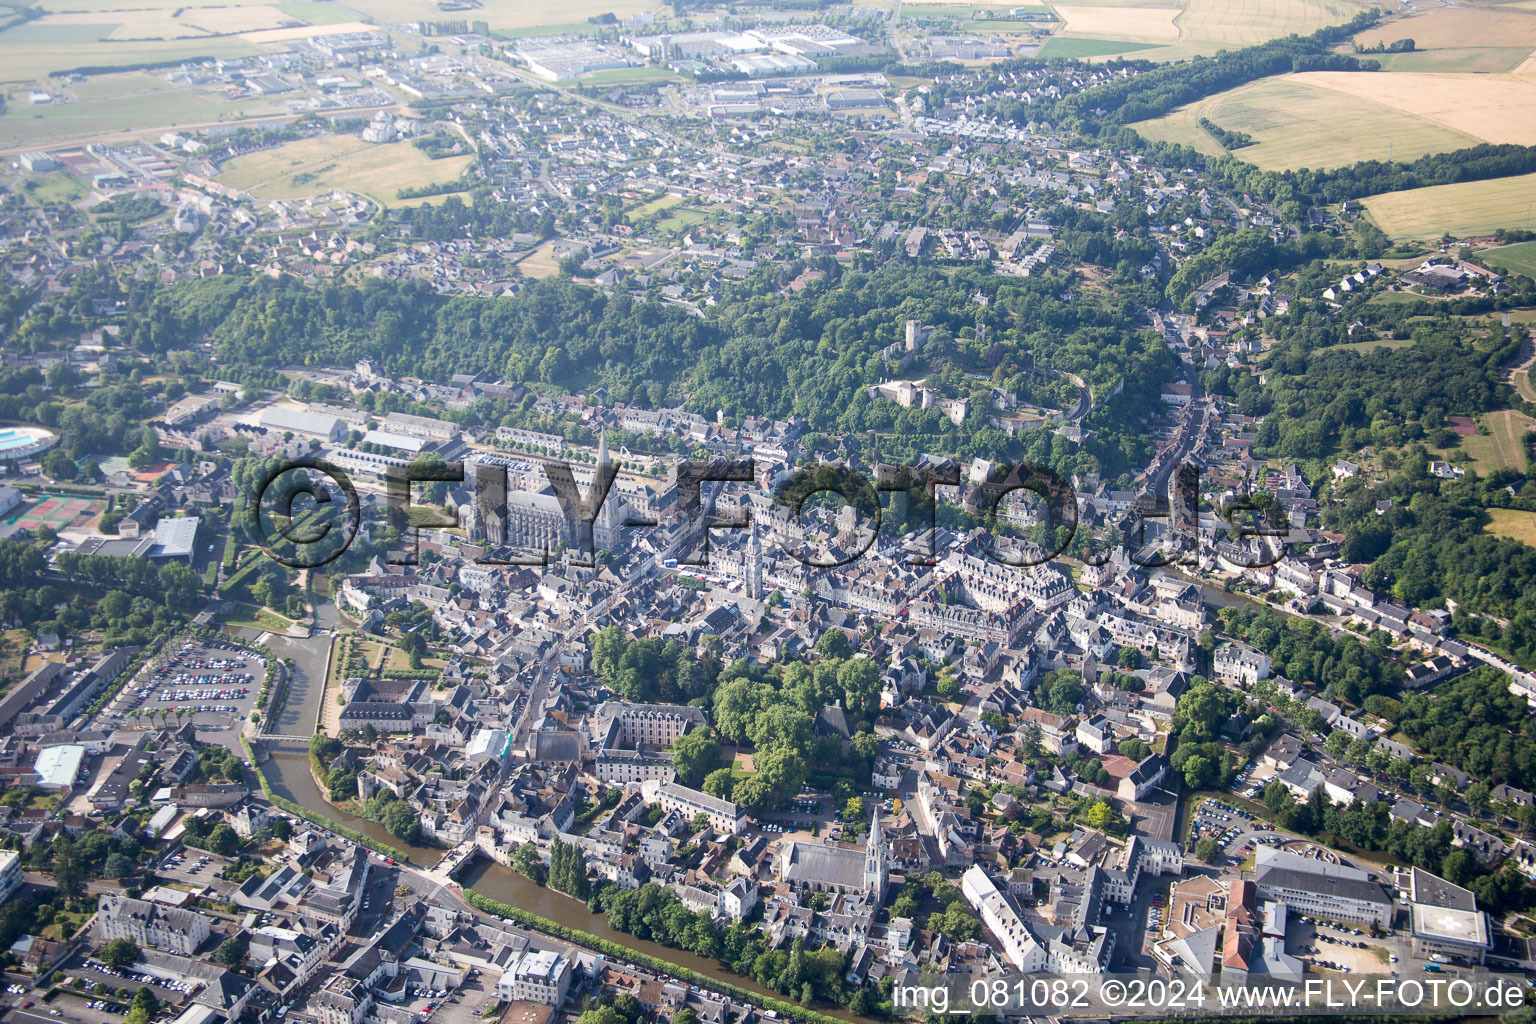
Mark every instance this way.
x=607 y=530
x=819 y=867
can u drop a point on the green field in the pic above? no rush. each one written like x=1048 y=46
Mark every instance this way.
x=1073 y=47
x=27 y=62
x=1459 y=60
x=99 y=87
x=25 y=126
x=53 y=188
x=1297 y=125
x=630 y=76
x=312 y=12
x=1503 y=447
x=502 y=16
x=1464 y=209
x=1375 y=343
x=682 y=219
x=1203 y=26
x=575 y=28
x=666 y=202
x=38 y=33
x=1519 y=258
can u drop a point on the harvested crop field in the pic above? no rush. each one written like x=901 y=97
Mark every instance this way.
x=1491 y=108
x=1457 y=27
x=1296 y=124
x=1144 y=24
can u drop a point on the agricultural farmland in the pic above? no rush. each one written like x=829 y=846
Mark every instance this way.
x=1144 y=24
x=1457 y=28
x=1193 y=26
x=1490 y=108
x=1519 y=258
x=1076 y=47
x=1466 y=208
x=1297 y=124
x=314 y=166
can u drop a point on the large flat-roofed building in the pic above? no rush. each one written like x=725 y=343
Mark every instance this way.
x=58 y=766
x=398 y=442
x=303 y=423
x=1321 y=889
x=854 y=99
x=420 y=426
x=173 y=538
x=1446 y=921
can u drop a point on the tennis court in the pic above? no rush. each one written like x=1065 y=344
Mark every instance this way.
x=56 y=511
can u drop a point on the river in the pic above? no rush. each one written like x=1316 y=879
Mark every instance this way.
x=288 y=775
x=502 y=883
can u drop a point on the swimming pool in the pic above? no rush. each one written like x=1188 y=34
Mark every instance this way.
x=25 y=439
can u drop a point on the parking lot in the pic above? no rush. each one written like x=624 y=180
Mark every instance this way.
x=465 y=1005
x=211 y=684
x=817 y=813
x=199 y=871
x=1330 y=947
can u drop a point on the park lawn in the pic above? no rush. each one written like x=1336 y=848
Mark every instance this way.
x=256 y=618
x=1506 y=431
x=1512 y=523
x=681 y=219
x=666 y=202
x=54 y=188
x=540 y=263
x=1502 y=447
x=1375 y=343
x=1296 y=124
x=1519 y=258
x=1465 y=208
